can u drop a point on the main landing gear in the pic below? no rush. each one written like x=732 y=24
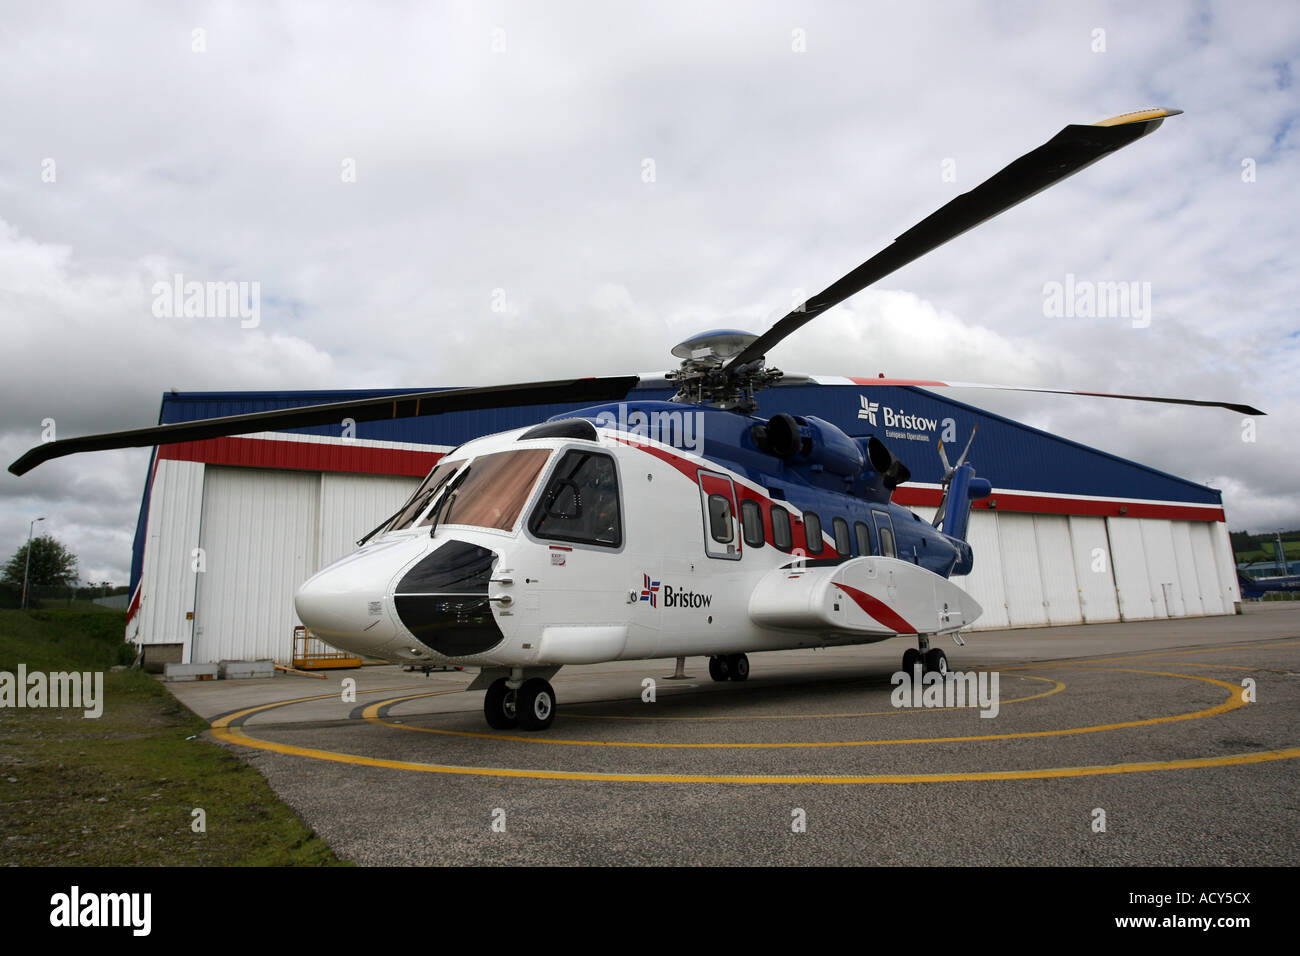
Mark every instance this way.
x=529 y=705
x=931 y=660
x=729 y=667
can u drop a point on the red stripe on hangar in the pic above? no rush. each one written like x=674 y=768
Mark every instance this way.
x=303 y=455
x=1061 y=505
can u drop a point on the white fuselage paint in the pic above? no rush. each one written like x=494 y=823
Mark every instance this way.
x=575 y=603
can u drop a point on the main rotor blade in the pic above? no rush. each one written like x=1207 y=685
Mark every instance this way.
x=1069 y=151
x=935 y=383
x=379 y=408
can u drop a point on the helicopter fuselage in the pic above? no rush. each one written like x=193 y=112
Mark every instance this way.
x=599 y=537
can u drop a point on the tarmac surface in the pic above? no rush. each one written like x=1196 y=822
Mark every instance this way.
x=1141 y=743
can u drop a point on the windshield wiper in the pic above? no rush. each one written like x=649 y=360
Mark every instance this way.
x=444 y=504
x=382 y=525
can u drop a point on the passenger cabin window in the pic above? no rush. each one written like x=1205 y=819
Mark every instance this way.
x=580 y=502
x=842 y=543
x=720 y=524
x=864 y=537
x=751 y=521
x=812 y=532
x=887 y=546
x=780 y=528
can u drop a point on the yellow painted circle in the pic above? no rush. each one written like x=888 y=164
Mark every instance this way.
x=223 y=730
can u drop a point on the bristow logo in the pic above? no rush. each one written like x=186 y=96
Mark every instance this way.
x=868 y=409
x=894 y=419
x=672 y=597
x=649 y=590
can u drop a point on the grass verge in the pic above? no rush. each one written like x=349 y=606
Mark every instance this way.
x=120 y=790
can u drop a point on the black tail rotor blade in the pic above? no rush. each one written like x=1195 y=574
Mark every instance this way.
x=379 y=408
x=1074 y=148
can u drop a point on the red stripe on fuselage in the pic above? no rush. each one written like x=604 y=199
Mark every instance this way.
x=798 y=538
x=877 y=609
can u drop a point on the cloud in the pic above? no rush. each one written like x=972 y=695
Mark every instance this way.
x=522 y=172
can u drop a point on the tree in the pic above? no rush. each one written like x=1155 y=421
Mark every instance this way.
x=52 y=564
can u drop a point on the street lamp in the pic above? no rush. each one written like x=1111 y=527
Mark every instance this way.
x=27 y=567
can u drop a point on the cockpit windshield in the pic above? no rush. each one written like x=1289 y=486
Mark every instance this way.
x=428 y=490
x=492 y=491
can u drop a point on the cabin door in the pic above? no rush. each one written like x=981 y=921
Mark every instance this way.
x=721 y=521
x=888 y=546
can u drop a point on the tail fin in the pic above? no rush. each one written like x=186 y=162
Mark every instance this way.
x=963 y=489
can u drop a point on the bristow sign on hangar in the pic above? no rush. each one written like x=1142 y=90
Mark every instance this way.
x=900 y=425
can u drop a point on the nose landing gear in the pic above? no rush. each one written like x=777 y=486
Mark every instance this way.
x=529 y=705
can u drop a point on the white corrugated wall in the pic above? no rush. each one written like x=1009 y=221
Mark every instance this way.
x=1056 y=565
x=1207 y=575
x=1162 y=568
x=1188 y=585
x=259 y=536
x=352 y=505
x=1129 y=559
x=1032 y=570
x=1225 y=564
x=1026 y=605
x=985 y=583
x=1092 y=569
x=171 y=534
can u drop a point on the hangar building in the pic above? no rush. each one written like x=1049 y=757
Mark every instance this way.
x=229 y=527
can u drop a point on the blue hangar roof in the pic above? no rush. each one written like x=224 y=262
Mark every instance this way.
x=909 y=420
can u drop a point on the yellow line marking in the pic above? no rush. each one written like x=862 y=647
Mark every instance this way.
x=222 y=731
x=1154 y=654
x=1057 y=687
x=371 y=714
x=225 y=720
x=235 y=735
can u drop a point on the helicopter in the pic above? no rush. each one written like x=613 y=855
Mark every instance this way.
x=630 y=530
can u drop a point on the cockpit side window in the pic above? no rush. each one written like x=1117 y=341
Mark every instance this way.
x=580 y=502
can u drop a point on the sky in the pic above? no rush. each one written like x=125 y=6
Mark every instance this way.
x=433 y=194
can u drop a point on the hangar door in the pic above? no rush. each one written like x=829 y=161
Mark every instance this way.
x=1026 y=602
x=259 y=536
x=352 y=505
x=985 y=583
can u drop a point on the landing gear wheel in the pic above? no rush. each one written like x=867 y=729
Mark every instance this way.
x=936 y=662
x=500 y=706
x=536 y=705
x=720 y=668
x=738 y=664
x=911 y=660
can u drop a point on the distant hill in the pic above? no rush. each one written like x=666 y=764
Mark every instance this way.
x=1250 y=548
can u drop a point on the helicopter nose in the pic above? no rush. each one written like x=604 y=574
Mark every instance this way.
x=344 y=605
